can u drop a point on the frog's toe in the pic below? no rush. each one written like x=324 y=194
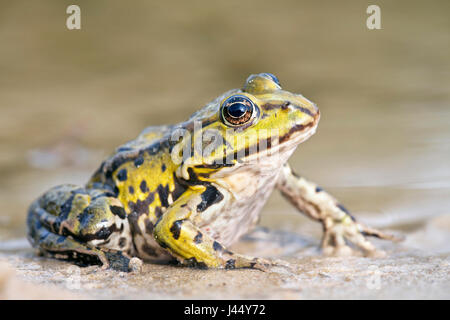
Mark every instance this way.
x=335 y=241
x=368 y=231
x=338 y=251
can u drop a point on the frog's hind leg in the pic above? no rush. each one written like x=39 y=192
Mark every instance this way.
x=87 y=226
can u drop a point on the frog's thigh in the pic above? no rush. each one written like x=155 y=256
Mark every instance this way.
x=178 y=234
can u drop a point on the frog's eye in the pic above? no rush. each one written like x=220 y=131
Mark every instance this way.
x=271 y=77
x=237 y=110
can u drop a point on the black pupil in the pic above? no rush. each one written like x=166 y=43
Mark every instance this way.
x=237 y=110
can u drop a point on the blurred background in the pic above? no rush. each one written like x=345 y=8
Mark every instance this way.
x=69 y=97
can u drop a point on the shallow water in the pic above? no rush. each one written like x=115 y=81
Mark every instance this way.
x=383 y=145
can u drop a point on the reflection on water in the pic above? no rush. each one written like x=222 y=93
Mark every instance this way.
x=69 y=97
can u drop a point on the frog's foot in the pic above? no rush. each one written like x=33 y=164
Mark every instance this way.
x=67 y=248
x=338 y=233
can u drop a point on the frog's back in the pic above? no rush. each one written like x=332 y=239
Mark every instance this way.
x=150 y=140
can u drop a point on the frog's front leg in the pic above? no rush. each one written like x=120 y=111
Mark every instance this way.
x=338 y=224
x=177 y=232
x=88 y=226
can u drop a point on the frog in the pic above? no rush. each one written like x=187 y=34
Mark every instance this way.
x=186 y=192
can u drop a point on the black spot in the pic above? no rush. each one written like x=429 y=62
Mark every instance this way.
x=85 y=218
x=153 y=149
x=101 y=234
x=139 y=161
x=118 y=211
x=122 y=175
x=193 y=179
x=217 y=246
x=131 y=189
x=116 y=190
x=230 y=264
x=209 y=197
x=122 y=242
x=163 y=195
x=193 y=263
x=340 y=206
x=148 y=227
x=349 y=214
x=175 y=229
x=318 y=189
x=142 y=206
x=163 y=245
x=179 y=188
x=163 y=167
x=158 y=212
x=66 y=207
x=133 y=219
x=143 y=186
x=60 y=239
x=198 y=238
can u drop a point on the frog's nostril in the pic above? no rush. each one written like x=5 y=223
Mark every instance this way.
x=285 y=105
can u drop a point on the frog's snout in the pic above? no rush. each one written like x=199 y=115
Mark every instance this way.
x=307 y=112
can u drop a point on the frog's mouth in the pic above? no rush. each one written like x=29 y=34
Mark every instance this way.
x=273 y=148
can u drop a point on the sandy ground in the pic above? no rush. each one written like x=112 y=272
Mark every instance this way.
x=405 y=273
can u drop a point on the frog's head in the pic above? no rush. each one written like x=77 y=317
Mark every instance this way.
x=257 y=122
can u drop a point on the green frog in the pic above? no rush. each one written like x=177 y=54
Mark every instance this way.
x=187 y=192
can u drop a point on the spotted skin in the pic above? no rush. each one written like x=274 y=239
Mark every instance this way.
x=154 y=200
